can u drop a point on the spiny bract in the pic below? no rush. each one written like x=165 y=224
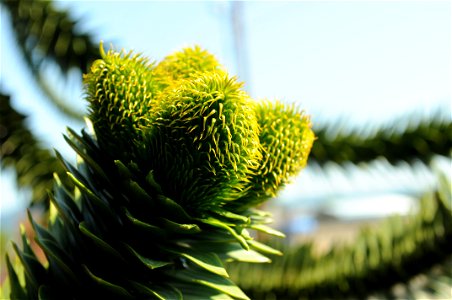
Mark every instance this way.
x=120 y=91
x=165 y=186
x=184 y=65
x=205 y=141
x=286 y=139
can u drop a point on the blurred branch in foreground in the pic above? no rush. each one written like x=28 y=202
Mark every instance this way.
x=46 y=35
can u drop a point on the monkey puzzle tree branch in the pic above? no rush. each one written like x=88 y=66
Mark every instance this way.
x=33 y=164
x=46 y=34
x=421 y=140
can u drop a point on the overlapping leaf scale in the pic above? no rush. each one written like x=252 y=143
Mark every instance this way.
x=121 y=237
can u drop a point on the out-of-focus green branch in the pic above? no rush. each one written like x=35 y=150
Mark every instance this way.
x=33 y=164
x=420 y=141
x=394 y=252
x=45 y=34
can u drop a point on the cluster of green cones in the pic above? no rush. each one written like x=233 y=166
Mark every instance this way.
x=167 y=183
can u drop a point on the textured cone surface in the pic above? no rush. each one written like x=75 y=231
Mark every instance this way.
x=206 y=139
x=120 y=94
x=185 y=64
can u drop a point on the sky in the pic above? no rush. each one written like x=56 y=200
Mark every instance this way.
x=354 y=58
x=367 y=62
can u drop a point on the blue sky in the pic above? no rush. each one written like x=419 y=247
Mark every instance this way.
x=360 y=60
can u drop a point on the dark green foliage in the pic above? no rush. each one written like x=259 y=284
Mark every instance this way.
x=421 y=140
x=149 y=216
x=33 y=164
x=45 y=34
x=395 y=252
x=119 y=237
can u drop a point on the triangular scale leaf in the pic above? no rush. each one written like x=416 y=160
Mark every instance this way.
x=264 y=248
x=219 y=224
x=146 y=291
x=46 y=293
x=56 y=262
x=170 y=208
x=95 y=200
x=179 y=228
x=150 y=263
x=151 y=181
x=52 y=249
x=25 y=243
x=69 y=168
x=267 y=229
x=169 y=292
x=161 y=292
x=104 y=246
x=17 y=291
x=96 y=168
x=114 y=289
x=232 y=216
x=40 y=231
x=138 y=193
x=30 y=266
x=123 y=171
x=227 y=287
x=247 y=256
x=214 y=281
x=65 y=200
x=65 y=214
x=206 y=260
x=198 y=292
x=154 y=230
